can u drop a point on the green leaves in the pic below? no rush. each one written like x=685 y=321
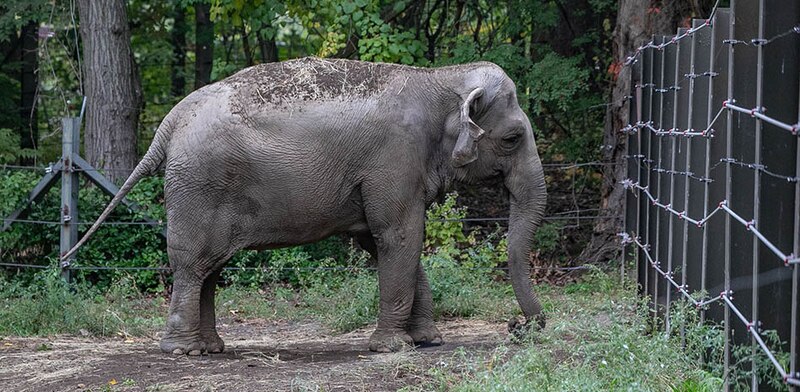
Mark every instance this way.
x=555 y=81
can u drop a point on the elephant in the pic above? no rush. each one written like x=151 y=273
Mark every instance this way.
x=289 y=153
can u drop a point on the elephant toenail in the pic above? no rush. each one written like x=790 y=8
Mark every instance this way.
x=177 y=351
x=195 y=353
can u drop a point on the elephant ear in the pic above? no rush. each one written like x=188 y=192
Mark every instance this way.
x=466 y=149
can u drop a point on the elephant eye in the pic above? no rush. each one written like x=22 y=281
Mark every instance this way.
x=511 y=139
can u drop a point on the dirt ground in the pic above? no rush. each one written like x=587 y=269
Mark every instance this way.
x=259 y=356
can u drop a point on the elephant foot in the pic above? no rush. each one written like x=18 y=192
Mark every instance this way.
x=386 y=341
x=520 y=329
x=427 y=335
x=193 y=345
x=214 y=343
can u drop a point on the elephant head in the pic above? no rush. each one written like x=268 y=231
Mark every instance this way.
x=493 y=137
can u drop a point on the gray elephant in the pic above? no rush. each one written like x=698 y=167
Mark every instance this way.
x=290 y=153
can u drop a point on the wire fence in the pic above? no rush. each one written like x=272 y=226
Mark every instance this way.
x=79 y=267
x=720 y=232
x=579 y=217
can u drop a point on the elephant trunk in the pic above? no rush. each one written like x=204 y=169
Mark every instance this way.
x=528 y=197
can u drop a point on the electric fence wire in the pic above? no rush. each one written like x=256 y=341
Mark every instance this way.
x=546 y=165
x=476 y=219
x=267 y=268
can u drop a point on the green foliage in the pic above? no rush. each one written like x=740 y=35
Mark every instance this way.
x=555 y=82
x=547 y=237
x=766 y=373
x=462 y=291
x=359 y=22
x=17 y=13
x=444 y=232
x=10 y=150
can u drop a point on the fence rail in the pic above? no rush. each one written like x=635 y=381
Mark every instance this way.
x=690 y=225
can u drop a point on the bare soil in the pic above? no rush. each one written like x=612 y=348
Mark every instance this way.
x=259 y=356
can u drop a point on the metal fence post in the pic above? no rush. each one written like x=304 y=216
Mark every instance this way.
x=728 y=149
x=698 y=161
x=655 y=147
x=796 y=268
x=667 y=167
x=645 y=142
x=69 y=191
x=757 y=193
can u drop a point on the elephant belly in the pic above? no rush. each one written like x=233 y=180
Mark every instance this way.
x=297 y=221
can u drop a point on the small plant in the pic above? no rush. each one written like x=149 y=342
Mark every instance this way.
x=741 y=370
x=444 y=232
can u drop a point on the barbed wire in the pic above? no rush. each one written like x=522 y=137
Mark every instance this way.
x=708 y=132
x=762 y=41
x=687 y=174
x=758 y=112
x=750 y=225
x=754 y=166
x=634 y=57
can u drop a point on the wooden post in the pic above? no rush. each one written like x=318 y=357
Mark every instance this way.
x=69 y=191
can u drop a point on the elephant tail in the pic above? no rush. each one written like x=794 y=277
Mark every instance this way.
x=151 y=161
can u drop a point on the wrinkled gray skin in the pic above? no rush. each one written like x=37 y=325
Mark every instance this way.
x=290 y=153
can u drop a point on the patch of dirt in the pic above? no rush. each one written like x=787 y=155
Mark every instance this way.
x=259 y=356
x=311 y=79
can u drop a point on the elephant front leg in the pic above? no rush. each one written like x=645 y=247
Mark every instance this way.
x=399 y=249
x=420 y=325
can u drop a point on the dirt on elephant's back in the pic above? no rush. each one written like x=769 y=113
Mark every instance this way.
x=260 y=356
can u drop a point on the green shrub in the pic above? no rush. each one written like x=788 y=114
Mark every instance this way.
x=444 y=232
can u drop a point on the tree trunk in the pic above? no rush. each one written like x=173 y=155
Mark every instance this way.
x=637 y=20
x=113 y=89
x=29 y=133
x=268 y=48
x=248 y=52
x=630 y=32
x=178 y=36
x=204 y=45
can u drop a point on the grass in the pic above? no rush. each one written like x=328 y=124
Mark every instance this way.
x=48 y=306
x=597 y=338
x=340 y=301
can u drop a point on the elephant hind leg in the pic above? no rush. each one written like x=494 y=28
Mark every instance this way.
x=191 y=324
x=208 y=320
x=182 y=332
